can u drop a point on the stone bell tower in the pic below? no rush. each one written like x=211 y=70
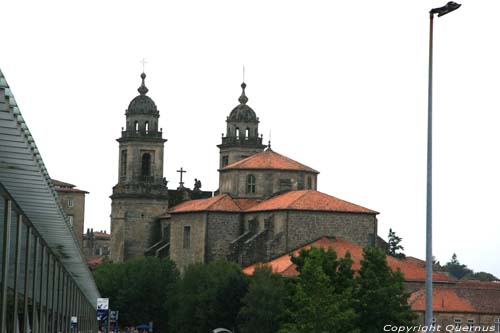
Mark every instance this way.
x=141 y=193
x=242 y=135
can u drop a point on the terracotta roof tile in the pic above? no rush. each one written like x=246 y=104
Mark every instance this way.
x=269 y=159
x=94 y=261
x=411 y=271
x=222 y=202
x=309 y=200
x=62 y=184
x=245 y=204
x=484 y=296
x=444 y=299
x=65 y=187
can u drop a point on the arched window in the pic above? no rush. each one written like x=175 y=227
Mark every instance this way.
x=146 y=126
x=309 y=183
x=250 y=184
x=237 y=132
x=146 y=165
x=136 y=126
x=247 y=133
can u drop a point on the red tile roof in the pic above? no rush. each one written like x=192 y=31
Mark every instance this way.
x=65 y=187
x=245 y=204
x=94 y=261
x=269 y=159
x=411 y=271
x=222 y=202
x=444 y=299
x=309 y=200
x=61 y=184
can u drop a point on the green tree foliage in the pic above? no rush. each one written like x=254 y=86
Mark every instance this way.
x=462 y=272
x=380 y=296
x=481 y=276
x=322 y=299
x=264 y=304
x=208 y=296
x=138 y=288
x=456 y=269
x=395 y=245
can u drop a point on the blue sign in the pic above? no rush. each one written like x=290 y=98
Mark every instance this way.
x=102 y=315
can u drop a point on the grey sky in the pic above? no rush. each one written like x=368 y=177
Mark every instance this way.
x=342 y=85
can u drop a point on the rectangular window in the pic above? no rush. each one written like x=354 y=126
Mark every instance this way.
x=470 y=323
x=458 y=323
x=225 y=160
x=70 y=202
x=70 y=220
x=123 y=163
x=187 y=237
x=497 y=324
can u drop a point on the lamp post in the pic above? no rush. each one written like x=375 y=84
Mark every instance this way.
x=448 y=8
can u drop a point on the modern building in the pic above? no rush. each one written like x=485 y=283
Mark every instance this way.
x=44 y=279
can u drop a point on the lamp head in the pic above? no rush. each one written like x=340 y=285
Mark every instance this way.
x=448 y=8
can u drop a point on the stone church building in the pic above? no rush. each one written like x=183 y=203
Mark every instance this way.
x=267 y=204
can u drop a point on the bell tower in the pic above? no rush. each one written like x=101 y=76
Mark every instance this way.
x=242 y=134
x=140 y=194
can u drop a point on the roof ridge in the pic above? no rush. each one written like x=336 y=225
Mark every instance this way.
x=300 y=197
x=218 y=199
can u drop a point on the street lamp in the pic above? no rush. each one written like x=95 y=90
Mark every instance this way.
x=448 y=8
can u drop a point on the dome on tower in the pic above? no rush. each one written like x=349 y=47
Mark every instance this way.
x=142 y=104
x=242 y=112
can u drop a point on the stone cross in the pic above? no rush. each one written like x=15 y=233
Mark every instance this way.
x=143 y=62
x=181 y=171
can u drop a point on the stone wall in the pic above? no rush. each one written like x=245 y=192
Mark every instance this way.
x=268 y=182
x=305 y=227
x=131 y=225
x=222 y=228
x=77 y=211
x=195 y=253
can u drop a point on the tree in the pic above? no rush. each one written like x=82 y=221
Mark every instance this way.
x=380 y=296
x=481 y=276
x=456 y=269
x=395 y=246
x=319 y=304
x=138 y=289
x=264 y=304
x=207 y=297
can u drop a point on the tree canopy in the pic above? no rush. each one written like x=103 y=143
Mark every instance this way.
x=138 y=289
x=208 y=296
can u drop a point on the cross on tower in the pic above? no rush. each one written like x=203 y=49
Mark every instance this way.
x=181 y=171
x=143 y=62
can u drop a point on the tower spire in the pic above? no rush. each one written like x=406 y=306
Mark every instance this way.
x=243 y=98
x=143 y=90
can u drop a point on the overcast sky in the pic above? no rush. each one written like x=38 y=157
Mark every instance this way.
x=342 y=86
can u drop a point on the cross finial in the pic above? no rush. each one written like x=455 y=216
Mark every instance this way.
x=181 y=171
x=243 y=73
x=143 y=62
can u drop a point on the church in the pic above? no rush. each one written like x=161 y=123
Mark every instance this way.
x=267 y=204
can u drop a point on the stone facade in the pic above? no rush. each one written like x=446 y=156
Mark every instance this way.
x=73 y=203
x=140 y=195
x=96 y=243
x=267 y=182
